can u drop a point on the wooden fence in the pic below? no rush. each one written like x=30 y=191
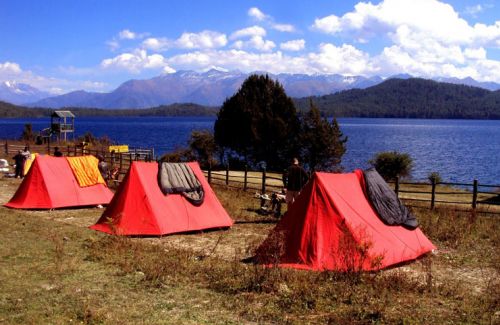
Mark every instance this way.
x=121 y=161
x=481 y=198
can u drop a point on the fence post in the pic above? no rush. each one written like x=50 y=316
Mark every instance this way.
x=6 y=148
x=263 y=180
x=209 y=173
x=433 y=193
x=245 y=178
x=474 y=195
x=227 y=174
x=396 y=186
x=121 y=161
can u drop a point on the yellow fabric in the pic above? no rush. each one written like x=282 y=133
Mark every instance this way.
x=119 y=148
x=29 y=162
x=85 y=170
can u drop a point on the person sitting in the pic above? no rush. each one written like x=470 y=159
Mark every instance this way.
x=57 y=153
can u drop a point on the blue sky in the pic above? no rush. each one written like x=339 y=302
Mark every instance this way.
x=61 y=45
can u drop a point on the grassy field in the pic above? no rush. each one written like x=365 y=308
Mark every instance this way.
x=54 y=270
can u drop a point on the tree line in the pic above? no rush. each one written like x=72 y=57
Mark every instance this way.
x=188 y=109
x=411 y=98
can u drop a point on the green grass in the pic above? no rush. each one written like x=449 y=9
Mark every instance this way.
x=54 y=270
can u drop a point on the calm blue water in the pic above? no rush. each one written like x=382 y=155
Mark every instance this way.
x=460 y=150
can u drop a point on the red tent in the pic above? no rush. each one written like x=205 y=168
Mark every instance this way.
x=51 y=183
x=332 y=226
x=140 y=208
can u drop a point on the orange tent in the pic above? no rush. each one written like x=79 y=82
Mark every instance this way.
x=140 y=208
x=332 y=226
x=51 y=183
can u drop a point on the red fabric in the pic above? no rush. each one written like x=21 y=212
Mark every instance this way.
x=330 y=221
x=140 y=208
x=50 y=184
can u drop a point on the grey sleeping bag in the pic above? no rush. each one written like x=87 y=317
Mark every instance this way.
x=178 y=178
x=386 y=203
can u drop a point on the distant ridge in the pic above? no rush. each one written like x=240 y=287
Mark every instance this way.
x=211 y=88
x=410 y=98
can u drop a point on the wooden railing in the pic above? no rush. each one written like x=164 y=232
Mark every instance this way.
x=474 y=196
x=121 y=161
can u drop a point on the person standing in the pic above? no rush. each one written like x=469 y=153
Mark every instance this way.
x=19 y=162
x=26 y=155
x=294 y=179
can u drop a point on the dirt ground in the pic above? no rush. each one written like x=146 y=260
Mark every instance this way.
x=238 y=242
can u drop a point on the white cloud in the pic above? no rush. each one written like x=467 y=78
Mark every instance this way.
x=136 y=61
x=294 y=45
x=249 y=31
x=433 y=18
x=475 y=53
x=429 y=38
x=257 y=43
x=329 y=59
x=204 y=40
x=9 y=69
x=257 y=14
x=345 y=59
x=156 y=44
x=474 y=10
x=283 y=27
x=127 y=34
x=329 y=24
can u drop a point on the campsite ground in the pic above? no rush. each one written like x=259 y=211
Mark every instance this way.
x=53 y=269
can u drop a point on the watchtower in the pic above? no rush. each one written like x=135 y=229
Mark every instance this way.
x=62 y=123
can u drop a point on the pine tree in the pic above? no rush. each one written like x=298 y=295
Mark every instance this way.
x=323 y=143
x=259 y=123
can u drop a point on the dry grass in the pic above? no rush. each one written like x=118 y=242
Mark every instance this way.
x=54 y=270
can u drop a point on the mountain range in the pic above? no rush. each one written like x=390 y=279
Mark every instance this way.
x=209 y=88
x=20 y=93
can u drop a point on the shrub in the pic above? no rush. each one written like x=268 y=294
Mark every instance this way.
x=392 y=164
x=434 y=176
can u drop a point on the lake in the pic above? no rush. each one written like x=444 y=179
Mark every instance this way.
x=459 y=150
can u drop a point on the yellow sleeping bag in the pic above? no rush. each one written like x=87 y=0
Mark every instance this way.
x=29 y=162
x=85 y=170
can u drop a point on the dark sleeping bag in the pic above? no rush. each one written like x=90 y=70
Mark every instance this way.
x=178 y=178
x=384 y=200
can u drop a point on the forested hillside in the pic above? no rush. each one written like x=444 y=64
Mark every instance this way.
x=9 y=110
x=410 y=98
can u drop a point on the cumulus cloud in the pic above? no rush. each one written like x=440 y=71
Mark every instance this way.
x=11 y=71
x=136 y=61
x=126 y=34
x=248 y=32
x=256 y=43
x=9 y=68
x=204 y=40
x=328 y=59
x=432 y=18
x=429 y=38
x=156 y=44
x=258 y=15
x=294 y=45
